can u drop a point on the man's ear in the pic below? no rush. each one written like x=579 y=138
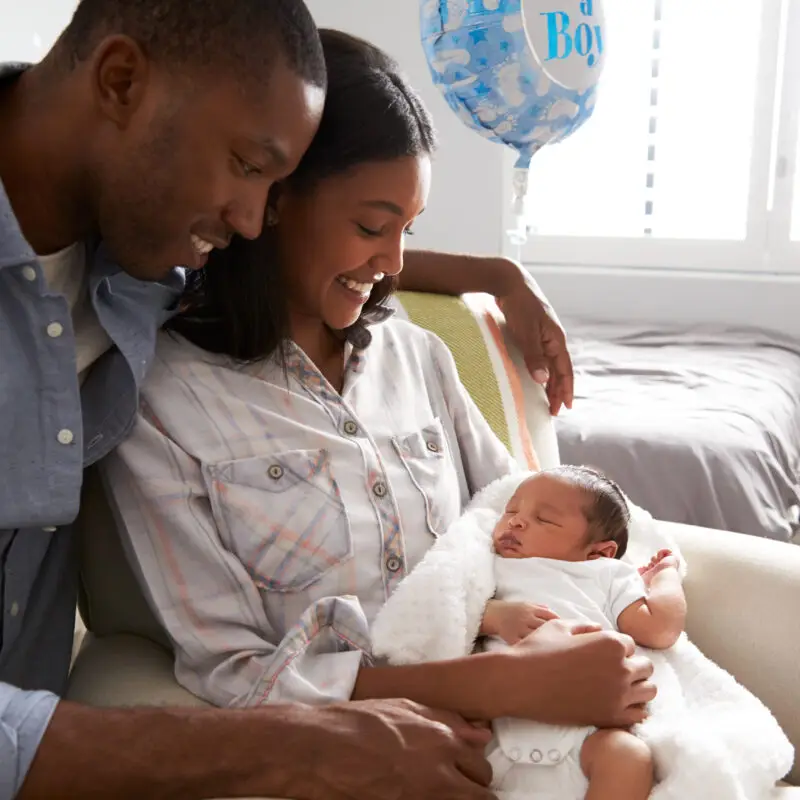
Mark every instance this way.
x=602 y=550
x=121 y=73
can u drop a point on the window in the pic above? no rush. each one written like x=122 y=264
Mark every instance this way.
x=688 y=160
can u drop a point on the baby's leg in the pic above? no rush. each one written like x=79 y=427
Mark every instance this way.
x=618 y=765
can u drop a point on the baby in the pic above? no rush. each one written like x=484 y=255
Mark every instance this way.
x=558 y=546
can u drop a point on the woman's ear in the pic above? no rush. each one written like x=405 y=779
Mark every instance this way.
x=602 y=550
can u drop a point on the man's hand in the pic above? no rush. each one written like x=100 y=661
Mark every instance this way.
x=530 y=318
x=583 y=677
x=390 y=750
x=513 y=622
x=535 y=327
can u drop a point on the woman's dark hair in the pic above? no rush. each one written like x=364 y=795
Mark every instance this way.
x=237 y=305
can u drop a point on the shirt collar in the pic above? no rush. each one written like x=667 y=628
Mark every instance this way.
x=14 y=249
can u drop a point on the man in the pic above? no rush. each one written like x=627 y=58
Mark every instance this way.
x=151 y=133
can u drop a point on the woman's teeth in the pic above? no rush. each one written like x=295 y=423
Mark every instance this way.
x=354 y=286
x=201 y=246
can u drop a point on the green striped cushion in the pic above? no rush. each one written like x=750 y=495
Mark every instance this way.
x=469 y=327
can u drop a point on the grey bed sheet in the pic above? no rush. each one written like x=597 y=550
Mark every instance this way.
x=700 y=426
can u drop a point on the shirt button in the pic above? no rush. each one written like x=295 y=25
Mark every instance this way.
x=393 y=563
x=514 y=753
x=379 y=489
x=350 y=428
x=49 y=529
x=275 y=472
x=433 y=447
x=29 y=273
x=14 y=609
x=55 y=329
x=554 y=756
x=65 y=436
x=536 y=756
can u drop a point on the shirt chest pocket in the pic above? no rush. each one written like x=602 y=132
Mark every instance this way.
x=427 y=460
x=282 y=516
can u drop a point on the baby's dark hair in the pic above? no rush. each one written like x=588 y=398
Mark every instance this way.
x=606 y=512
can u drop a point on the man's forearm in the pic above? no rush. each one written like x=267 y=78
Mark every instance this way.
x=171 y=753
x=443 y=273
x=467 y=686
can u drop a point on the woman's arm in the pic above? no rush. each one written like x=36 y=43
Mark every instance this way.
x=559 y=675
x=226 y=649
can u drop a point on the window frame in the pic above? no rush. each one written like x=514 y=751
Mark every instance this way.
x=767 y=246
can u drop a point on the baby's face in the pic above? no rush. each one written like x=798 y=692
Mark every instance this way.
x=544 y=519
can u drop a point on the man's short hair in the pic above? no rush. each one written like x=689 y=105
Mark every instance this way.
x=244 y=34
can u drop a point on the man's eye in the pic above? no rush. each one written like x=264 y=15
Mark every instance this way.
x=247 y=168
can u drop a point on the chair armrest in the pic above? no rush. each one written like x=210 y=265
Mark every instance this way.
x=743 y=596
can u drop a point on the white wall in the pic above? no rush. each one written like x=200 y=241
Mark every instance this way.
x=466 y=204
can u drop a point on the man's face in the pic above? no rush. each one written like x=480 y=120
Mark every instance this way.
x=193 y=163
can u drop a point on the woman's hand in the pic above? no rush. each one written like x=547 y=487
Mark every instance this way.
x=571 y=674
x=513 y=622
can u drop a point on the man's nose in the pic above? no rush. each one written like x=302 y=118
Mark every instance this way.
x=245 y=214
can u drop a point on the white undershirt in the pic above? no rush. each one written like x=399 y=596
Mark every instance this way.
x=65 y=272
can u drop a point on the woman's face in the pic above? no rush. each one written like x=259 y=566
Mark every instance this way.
x=346 y=234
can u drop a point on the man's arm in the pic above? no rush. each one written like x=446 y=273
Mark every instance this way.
x=303 y=752
x=530 y=317
x=659 y=619
x=448 y=273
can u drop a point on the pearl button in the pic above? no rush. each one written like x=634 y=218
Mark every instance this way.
x=55 y=329
x=433 y=447
x=29 y=273
x=536 y=756
x=515 y=754
x=554 y=756
x=14 y=609
x=393 y=564
x=66 y=436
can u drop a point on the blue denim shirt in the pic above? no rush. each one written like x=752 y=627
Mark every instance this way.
x=51 y=428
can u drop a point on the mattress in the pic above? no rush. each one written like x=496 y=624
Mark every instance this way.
x=699 y=426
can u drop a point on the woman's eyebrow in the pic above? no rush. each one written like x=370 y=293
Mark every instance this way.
x=384 y=205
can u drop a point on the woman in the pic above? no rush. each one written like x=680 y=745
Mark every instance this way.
x=297 y=452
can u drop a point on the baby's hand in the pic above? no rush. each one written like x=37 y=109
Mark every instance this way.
x=513 y=622
x=663 y=559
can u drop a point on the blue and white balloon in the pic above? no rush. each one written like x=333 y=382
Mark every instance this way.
x=523 y=73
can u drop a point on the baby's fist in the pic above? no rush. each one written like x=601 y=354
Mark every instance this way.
x=513 y=622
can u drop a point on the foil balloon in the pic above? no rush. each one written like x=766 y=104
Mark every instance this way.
x=523 y=73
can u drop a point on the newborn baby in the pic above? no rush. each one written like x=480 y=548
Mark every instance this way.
x=558 y=546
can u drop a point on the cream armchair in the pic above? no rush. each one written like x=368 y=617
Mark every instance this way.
x=743 y=595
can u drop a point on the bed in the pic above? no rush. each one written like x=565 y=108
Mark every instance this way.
x=699 y=426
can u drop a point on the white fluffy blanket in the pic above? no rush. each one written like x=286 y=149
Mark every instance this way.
x=711 y=738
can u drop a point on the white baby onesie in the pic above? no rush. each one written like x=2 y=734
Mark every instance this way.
x=531 y=759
